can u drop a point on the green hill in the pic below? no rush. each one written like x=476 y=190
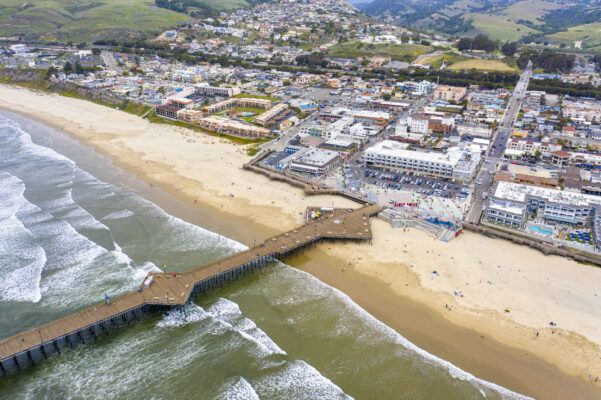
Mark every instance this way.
x=89 y=20
x=554 y=21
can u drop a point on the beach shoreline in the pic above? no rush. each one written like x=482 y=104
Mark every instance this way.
x=260 y=208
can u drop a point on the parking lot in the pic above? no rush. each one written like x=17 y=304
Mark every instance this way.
x=397 y=180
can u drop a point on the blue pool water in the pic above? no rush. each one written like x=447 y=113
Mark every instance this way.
x=538 y=229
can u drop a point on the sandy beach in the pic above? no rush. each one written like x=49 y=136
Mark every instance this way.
x=448 y=298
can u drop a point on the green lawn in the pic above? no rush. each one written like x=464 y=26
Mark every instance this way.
x=399 y=52
x=253 y=96
x=80 y=20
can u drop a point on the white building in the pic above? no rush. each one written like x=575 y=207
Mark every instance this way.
x=19 y=48
x=512 y=202
x=315 y=162
x=456 y=162
x=205 y=89
x=413 y=125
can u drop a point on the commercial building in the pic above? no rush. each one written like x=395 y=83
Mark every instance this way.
x=315 y=162
x=450 y=93
x=455 y=163
x=511 y=203
x=391 y=105
x=413 y=125
x=582 y=110
x=207 y=90
x=372 y=117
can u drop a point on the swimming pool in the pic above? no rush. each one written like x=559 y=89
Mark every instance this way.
x=538 y=229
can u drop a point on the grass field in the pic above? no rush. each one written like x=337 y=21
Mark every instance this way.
x=482 y=65
x=457 y=62
x=255 y=96
x=399 y=52
x=79 y=20
x=429 y=60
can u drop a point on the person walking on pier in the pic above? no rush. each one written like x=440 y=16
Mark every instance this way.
x=108 y=299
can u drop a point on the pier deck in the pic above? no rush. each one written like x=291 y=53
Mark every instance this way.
x=172 y=289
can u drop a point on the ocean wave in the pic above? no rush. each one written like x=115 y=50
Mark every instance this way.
x=227 y=317
x=229 y=313
x=21 y=260
x=238 y=389
x=384 y=331
x=119 y=215
x=298 y=380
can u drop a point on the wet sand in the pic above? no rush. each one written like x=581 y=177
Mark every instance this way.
x=460 y=336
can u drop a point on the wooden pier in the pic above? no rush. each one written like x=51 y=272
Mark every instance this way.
x=169 y=290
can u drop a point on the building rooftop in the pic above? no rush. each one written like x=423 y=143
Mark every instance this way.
x=396 y=149
x=317 y=157
x=518 y=192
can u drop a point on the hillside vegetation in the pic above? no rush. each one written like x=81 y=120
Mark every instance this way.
x=85 y=20
x=553 y=21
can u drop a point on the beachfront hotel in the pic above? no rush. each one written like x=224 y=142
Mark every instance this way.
x=455 y=163
x=268 y=116
x=232 y=127
x=243 y=102
x=511 y=203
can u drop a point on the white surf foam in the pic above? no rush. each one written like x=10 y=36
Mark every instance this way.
x=239 y=389
x=21 y=260
x=188 y=314
x=229 y=313
x=298 y=380
x=119 y=215
x=454 y=371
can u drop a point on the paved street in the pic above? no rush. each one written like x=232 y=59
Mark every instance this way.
x=484 y=179
x=110 y=61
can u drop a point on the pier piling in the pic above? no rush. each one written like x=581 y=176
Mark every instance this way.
x=166 y=291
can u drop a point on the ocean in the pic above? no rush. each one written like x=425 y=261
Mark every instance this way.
x=74 y=227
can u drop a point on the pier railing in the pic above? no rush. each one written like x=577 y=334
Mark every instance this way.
x=167 y=290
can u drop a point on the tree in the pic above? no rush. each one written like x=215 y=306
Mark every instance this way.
x=509 y=48
x=78 y=68
x=96 y=51
x=67 y=68
x=480 y=42
x=50 y=72
x=464 y=44
x=386 y=96
x=596 y=59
